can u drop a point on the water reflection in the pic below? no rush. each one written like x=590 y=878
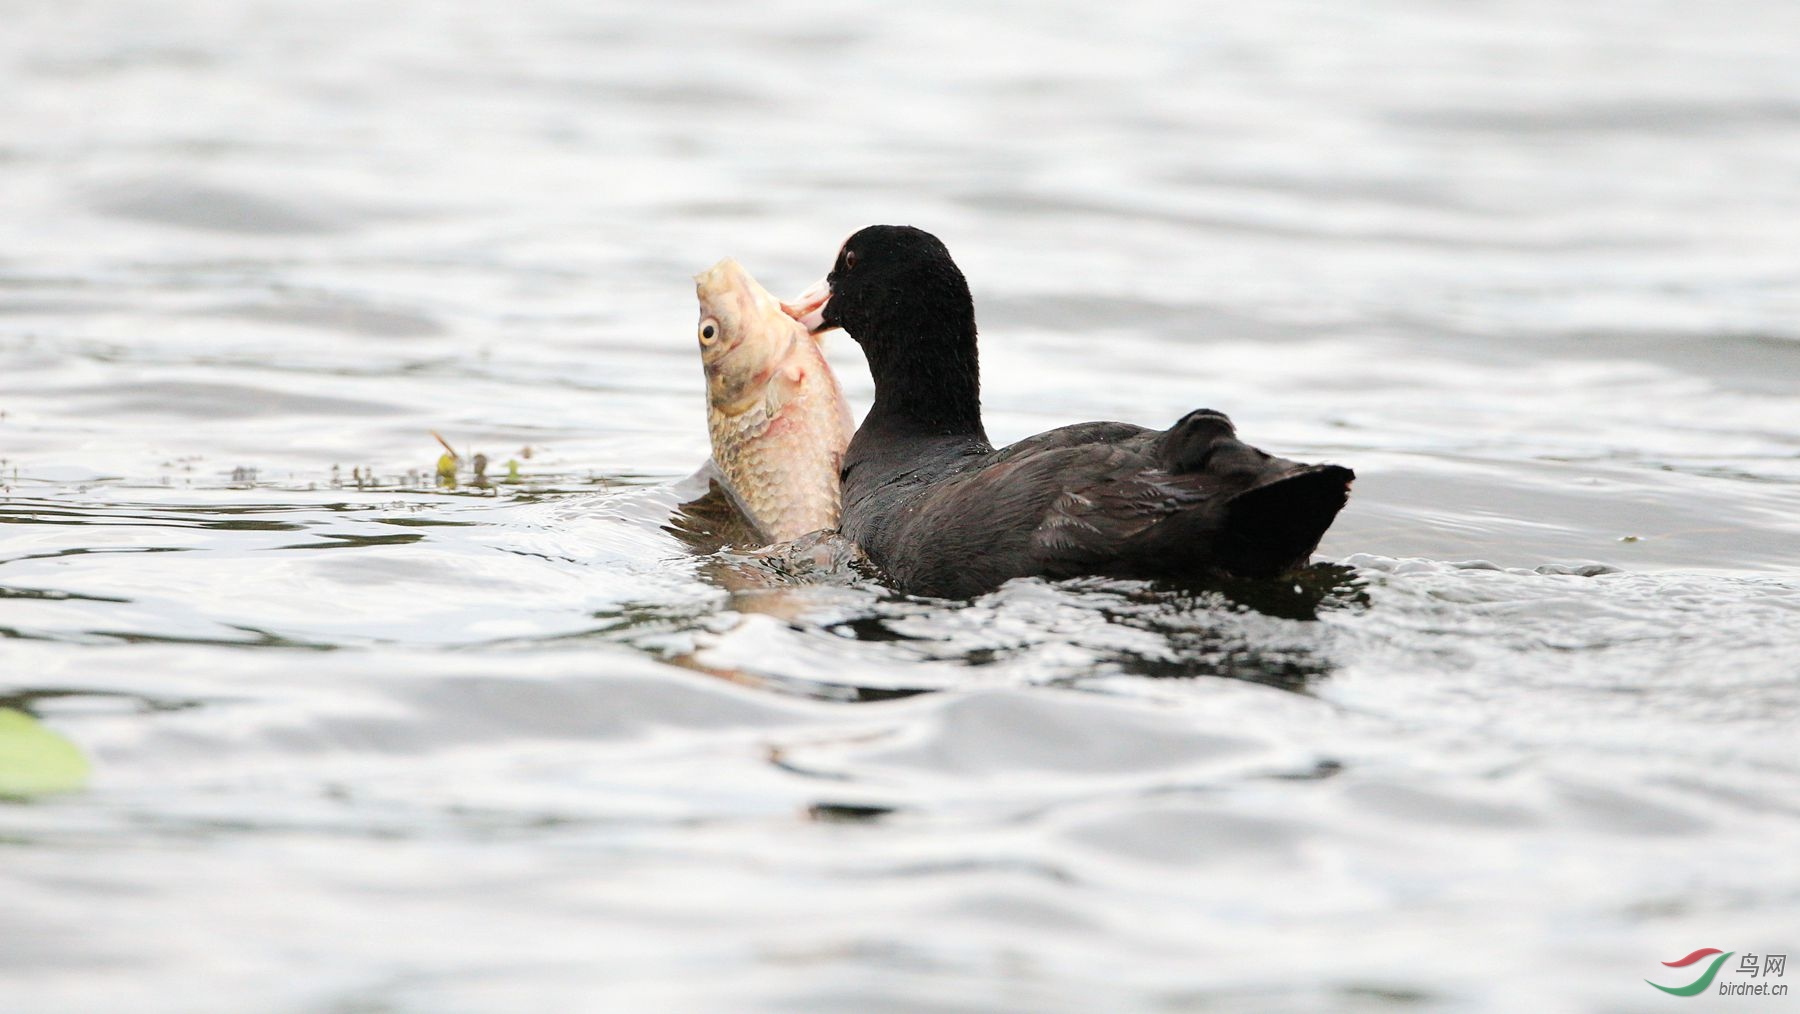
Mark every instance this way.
x=32 y=700
x=1224 y=627
x=22 y=511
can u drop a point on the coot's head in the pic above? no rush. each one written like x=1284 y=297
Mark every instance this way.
x=890 y=283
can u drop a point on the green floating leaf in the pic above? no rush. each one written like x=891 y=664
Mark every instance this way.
x=35 y=761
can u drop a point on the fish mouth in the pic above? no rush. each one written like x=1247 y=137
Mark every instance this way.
x=809 y=307
x=726 y=276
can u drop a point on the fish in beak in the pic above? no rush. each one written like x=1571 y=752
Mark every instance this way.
x=777 y=417
x=809 y=307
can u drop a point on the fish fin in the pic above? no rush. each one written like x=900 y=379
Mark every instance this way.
x=783 y=386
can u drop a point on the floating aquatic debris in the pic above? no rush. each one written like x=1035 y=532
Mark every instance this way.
x=446 y=463
x=35 y=761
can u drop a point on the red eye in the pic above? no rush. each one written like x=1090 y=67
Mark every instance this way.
x=849 y=259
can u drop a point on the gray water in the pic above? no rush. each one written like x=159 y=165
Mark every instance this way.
x=359 y=742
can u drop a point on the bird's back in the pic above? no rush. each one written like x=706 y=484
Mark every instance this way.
x=956 y=518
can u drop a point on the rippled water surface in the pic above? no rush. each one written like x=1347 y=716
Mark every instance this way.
x=358 y=742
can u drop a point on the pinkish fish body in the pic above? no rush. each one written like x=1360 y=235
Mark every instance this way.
x=778 y=420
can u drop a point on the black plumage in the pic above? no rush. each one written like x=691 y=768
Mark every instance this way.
x=942 y=512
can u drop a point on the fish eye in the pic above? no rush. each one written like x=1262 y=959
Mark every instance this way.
x=849 y=259
x=708 y=331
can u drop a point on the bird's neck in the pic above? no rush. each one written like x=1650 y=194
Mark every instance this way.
x=927 y=381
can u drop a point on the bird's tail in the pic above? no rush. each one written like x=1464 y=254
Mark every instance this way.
x=1275 y=526
x=1275 y=511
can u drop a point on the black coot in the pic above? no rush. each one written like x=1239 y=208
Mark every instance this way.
x=943 y=513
